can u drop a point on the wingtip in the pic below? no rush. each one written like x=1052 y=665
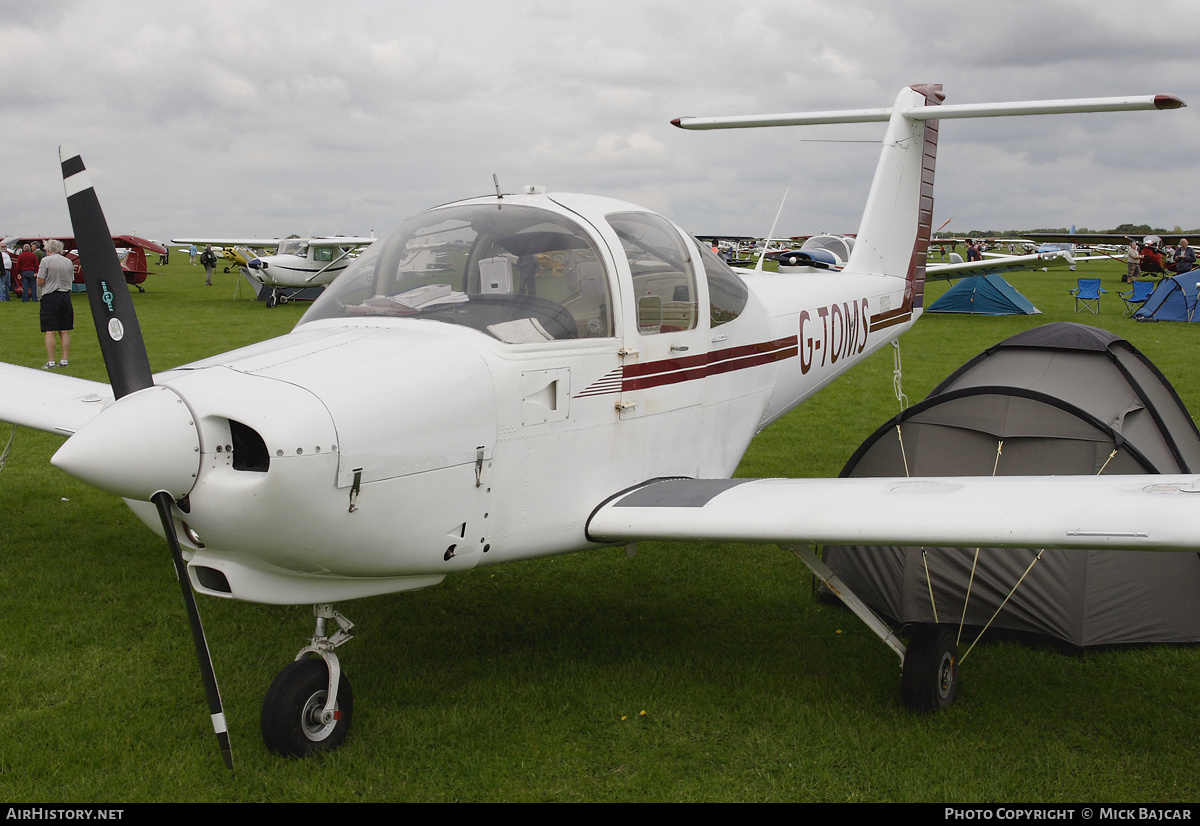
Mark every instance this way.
x=1168 y=102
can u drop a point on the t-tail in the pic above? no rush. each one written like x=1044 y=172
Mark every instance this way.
x=897 y=224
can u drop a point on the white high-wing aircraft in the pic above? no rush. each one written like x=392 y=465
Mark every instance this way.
x=298 y=263
x=582 y=374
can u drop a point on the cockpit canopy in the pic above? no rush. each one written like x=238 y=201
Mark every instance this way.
x=523 y=274
x=840 y=245
x=518 y=273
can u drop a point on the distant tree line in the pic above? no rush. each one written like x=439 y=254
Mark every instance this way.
x=1123 y=229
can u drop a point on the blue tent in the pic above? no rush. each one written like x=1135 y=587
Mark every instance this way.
x=1174 y=299
x=987 y=294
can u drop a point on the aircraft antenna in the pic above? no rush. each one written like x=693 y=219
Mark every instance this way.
x=496 y=181
x=759 y=267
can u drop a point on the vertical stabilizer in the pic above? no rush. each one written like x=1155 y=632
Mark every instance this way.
x=896 y=226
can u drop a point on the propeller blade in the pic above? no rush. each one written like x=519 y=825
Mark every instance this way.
x=117 y=326
x=128 y=368
x=163 y=502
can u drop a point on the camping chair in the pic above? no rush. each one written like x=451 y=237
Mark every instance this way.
x=1137 y=296
x=1087 y=294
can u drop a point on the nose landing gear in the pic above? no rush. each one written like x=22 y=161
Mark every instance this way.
x=310 y=704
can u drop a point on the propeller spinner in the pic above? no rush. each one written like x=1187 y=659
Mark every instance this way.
x=172 y=471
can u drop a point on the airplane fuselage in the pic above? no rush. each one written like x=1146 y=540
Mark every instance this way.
x=301 y=268
x=415 y=448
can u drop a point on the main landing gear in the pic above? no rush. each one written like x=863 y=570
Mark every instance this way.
x=929 y=679
x=929 y=664
x=310 y=704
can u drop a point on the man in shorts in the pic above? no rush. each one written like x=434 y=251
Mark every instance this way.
x=55 y=277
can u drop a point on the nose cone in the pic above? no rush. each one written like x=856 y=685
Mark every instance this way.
x=142 y=444
x=256 y=264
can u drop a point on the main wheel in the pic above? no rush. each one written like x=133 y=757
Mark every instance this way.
x=291 y=712
x=929 y=681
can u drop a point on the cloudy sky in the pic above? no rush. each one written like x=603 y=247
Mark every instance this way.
x=263 y=117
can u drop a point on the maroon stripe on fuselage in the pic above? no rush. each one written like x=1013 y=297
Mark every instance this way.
x=890 y=319
x=690 y=368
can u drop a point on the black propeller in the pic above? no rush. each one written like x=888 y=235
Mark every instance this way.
x=128 y=368
x=112 y=307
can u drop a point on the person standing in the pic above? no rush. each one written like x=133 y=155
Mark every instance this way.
x=192 y=255
x=1185 y=257
x=208 y=259
x=6 y=276
x=27 y=269
x=55 y=278
x=1133 y=261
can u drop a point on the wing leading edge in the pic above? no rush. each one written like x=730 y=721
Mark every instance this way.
x=49 y=401
x=1144 y=513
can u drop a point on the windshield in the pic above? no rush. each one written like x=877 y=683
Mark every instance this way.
x=291 y=246
x=517 y=273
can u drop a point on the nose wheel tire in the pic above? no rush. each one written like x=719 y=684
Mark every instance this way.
x=291 y=712
x=929 y=681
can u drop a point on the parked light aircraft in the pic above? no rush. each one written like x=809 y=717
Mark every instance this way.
x=1155 y=258
x=830 y=252
x=823 y=251
x=131 y=251
x=582 y=374
x=298 y=263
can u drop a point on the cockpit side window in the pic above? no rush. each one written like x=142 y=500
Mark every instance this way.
x=664 y=275
x=518 y=273
x=727 y=294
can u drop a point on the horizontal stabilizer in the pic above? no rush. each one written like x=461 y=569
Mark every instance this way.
x=943 y=112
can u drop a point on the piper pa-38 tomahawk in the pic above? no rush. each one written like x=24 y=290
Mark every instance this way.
x=298 y=263
x=580 y=373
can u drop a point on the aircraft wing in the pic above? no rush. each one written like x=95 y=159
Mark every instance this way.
x=49 y=401
x=1103 y=237
x=1115 y=512
x=69 y=241
x=1002 y=263
x=341 y=241
x=135 y=241
x=228 y=242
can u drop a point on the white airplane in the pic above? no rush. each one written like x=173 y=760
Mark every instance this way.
x=298 y=263
x=826 y=252
x=823 y=251
x=585 y=374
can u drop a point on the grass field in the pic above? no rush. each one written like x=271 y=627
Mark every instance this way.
x=689 y=672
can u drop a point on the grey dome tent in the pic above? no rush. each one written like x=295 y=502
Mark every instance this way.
x=1062 y=399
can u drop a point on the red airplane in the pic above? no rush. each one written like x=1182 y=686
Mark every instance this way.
x=130 y=249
